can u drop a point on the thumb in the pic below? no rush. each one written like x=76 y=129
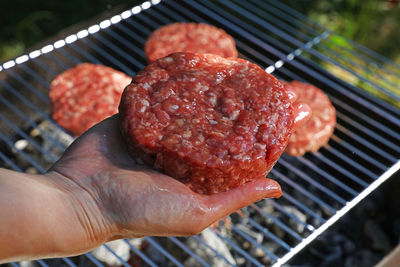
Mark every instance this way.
x=225 y=203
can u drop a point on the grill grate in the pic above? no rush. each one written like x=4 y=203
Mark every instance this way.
x=318 y=188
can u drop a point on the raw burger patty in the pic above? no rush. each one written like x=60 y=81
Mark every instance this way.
x=316 y=132
x=189 y=37
x=210 y=122
x=85 y=95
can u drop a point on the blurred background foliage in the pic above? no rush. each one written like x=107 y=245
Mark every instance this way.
x=25 y=23
x=372 y=23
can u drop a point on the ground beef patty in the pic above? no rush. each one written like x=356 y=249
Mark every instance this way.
x=189 y=37
x=85 y=95
x=210 y=122
x=316 y=132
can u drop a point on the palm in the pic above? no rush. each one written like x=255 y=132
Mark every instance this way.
x=138 y=201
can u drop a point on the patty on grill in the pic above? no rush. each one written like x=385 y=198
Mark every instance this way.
x=85 y=95
x=316 y=132
x=189 y=37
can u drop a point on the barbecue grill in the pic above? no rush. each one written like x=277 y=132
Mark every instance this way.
x=318 y=188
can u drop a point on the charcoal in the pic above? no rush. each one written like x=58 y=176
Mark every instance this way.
x=374 y=232
x=362 y=258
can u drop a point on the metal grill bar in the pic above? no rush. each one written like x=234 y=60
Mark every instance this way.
x=352 y=96
x=56 y=60
x=9 y=162
x=43 y=66
x=300 y=17
x=42 y=170
x=320 y=184
x=214 y=16
x=42 y=263
x=282 y=16
x=307 y=46
x=94 y=260
x=188 y=251
x=31 y=123
x=213 y=250
x=351 y=63
x=339 y=168
x=326 y=175
x=363 y=155
x=254 y=242
x=238 y=249
x=338 y=215
x=120 y=52
x=297 y=203
x=388 y=144
x=24 y=99
x=25 y=84
x=354 y=163
x=368 y=62
x=260 y=22
x=87 y=55
x=278 y=222
x=127 y=44
x=307 y=226
x=272 y=20
x=303 y=191
x=116 y=256
x=268 y=233
x=69 y=262
x=311 y=181
x=28 y=158
x=64 y=67
x=235 y=246
x=283 y=26
x=68 y=55
x=109 y=57
x=366 y=143
x=164 y=252
x=376 y=124
x=30 y=140
x=34 y=75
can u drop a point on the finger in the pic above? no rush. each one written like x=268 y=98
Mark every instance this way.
x=291 y=93
x=302 y=113
x=225 y=203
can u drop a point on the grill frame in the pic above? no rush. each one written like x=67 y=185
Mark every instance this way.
x=276 y=57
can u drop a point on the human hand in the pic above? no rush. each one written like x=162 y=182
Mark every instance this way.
x=115 y=198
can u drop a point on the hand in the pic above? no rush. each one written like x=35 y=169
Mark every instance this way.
x=117 y=198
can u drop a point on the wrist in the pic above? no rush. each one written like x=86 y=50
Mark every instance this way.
x=46 y=216
x=85 y=226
